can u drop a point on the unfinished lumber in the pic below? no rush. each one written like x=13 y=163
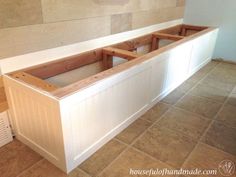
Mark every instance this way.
x=158 y=36
x=167 y=36
x=109 y=52
x=51 y=69
x=3 y=100
x=32 y=80
x=120 y=53
x=184 y=29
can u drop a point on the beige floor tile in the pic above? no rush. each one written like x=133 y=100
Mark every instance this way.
x=44 y=169
x=132 y=160
x=178 y=93
x=215 y=94
x=185 y=87
x=156 y=112
x=199 y=105
x=208 y=67
x=232 y=99
x=234 y=90
x=173 y=97
x=16 y=157
x=207 y=157
x=133 y=131
x=166 y=145
x=103 y=157
x=228 y=115
x=187 y=123
x=197 y=77
x=222 y=137
x=227 y=65
x=223 y=74
x=211 y=81
x=78 y=173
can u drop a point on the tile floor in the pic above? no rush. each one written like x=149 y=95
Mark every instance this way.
x=193 y=127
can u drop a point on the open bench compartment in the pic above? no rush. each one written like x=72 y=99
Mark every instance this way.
x=67 y=121
x=71 y=69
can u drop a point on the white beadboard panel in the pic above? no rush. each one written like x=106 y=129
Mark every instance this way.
x=169 y=69
x=103 y=111
x=202 y=49
x=5 y=131
x=36 y=120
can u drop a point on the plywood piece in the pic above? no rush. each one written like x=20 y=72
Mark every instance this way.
x=67 y=64
x=75 y=75
x=29 y=79
x=1 y=81
x=3 y=100
x=3 y=106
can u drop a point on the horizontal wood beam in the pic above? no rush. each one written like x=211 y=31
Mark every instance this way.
x=54 y=68
x=37 y=82
x=120 y=53
x=167 y=36
x=192 y=27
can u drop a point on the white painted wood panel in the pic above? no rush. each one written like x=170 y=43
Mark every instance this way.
x=103 y=111
x=203 y=47
x=36 y=121
x=169 y=70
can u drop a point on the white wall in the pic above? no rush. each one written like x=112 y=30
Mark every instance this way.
x=220 y=13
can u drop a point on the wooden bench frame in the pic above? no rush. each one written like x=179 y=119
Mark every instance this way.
x=35 y=75
x=156 y=37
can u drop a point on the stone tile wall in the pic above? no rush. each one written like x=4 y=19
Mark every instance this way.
x=32 y=25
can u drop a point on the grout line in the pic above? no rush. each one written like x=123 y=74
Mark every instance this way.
x=144 y=153
x=206 y=130
x=226 y=125
x=30 y=167
x=203 y=134
x=215 y=148
x=83 y=171
x=134 y=141
x=196 y=84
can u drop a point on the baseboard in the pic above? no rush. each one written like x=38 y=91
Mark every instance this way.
x=224 y=60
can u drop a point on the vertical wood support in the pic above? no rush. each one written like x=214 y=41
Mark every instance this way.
x=107 y=61
x=155 y=43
